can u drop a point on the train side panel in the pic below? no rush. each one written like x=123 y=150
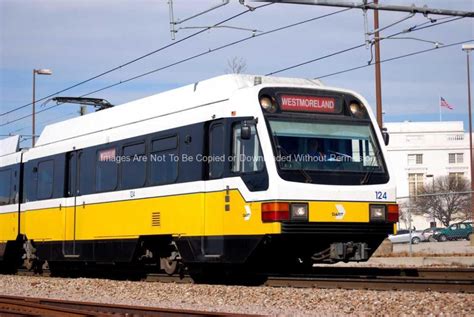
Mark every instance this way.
x=10 y=193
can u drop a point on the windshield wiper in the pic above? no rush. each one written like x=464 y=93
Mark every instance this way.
x=368 y=174
x=281 y=149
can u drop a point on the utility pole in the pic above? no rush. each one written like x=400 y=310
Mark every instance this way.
x=378 y=76
x=468 y=48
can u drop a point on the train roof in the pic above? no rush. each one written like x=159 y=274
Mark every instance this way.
x=172 y=101
x=9 y=150
x=9 y=145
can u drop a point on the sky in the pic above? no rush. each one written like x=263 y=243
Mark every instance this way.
x=78 y=40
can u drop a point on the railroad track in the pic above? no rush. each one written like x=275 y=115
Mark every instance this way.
x=413 y=279
x=28 y=306
x=422 y=279
x=406 y=279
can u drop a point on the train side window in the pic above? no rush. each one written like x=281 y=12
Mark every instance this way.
x=164 y=160
x=106 y=170
x=134 y=166
x=164 y=144
x=45 y=179
x=5 y=186
x=216 y=151
x=247 y=154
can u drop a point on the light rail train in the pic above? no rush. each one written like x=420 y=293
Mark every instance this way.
x=237 y=171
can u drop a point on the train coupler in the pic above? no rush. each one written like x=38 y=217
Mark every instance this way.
x=349 y=251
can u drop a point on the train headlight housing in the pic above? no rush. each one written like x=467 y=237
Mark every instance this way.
x=299 y=212
x=268 y=104
x=377 y=212
x=357 y=110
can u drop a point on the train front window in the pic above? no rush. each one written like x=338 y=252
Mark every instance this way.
x=315 y=148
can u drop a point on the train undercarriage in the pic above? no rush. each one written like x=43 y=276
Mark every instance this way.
x=206 y=259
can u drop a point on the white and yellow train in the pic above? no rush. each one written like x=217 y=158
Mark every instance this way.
x=235 y=170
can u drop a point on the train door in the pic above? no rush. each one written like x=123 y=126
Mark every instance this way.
x=70 y=249
x=214 y=204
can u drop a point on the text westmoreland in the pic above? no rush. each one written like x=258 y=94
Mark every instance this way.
x=309 y=103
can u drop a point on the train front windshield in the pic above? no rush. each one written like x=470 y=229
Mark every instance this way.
x=313 y=149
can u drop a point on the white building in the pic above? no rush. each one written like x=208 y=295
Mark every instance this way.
x=422 y=151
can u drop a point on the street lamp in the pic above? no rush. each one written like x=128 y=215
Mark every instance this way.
x=468 y=48
x=42 y=71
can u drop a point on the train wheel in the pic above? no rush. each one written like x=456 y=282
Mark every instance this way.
x=30 y=260
x=169 y=265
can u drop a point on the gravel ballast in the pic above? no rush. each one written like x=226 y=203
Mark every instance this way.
x=240 y=299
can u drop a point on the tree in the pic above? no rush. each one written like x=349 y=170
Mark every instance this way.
x=236 y=65
x=405 y=210
x=445 y=199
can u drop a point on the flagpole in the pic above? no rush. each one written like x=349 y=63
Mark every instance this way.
x=439 y=106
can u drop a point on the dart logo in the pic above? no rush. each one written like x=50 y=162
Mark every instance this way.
x=339 y=215
x=248 y=213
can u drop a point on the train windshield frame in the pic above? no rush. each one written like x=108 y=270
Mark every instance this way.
x=314 y=145
x=311 y=149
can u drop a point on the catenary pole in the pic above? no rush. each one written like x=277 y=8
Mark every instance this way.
x=378 y=78
x=470 y=131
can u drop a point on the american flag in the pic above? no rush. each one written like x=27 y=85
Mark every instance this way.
x=444 y=103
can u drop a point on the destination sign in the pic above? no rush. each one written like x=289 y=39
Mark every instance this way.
x=309 y=104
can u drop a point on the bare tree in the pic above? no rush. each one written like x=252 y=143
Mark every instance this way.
x=445 y=200
x=236 y=65
x=404 y=214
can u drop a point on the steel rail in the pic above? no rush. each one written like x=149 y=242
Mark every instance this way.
x=407 y=279
x=379 y=284
x=373 y=278
x=16 y=305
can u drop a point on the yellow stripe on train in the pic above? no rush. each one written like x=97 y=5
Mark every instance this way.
x=197 y=214
x=8 y=226
x=177 y=215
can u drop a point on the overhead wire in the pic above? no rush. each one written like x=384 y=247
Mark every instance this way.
x=355 y=47
x=255 y=36
x=134 y=60
x=394 y=58
x=271 y=73
x=46 y=121
x=209 y=51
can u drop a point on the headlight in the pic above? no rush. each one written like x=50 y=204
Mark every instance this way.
x=354 y=107
x=299 y=212
x=268 y=104
x=377 y=212
x=357 y=110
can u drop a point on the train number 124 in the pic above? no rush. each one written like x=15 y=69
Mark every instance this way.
x=380 y=195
